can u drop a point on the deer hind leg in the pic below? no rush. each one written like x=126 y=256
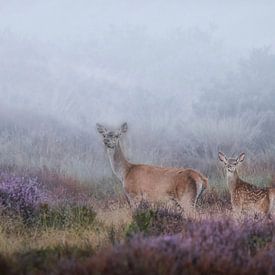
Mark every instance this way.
x=195 y=190
x=188 y=202
x=199 y=191
x=174 y=203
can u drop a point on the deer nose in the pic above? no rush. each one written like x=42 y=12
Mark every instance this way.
x=106 y=141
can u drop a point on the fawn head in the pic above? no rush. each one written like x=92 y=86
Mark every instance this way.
x=231 y=163
x=111 y=138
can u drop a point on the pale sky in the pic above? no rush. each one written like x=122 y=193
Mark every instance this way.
x=243 y=24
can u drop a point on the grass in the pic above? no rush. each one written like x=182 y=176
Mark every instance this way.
x=72 y=230
x=152 y=240
x=42 y=246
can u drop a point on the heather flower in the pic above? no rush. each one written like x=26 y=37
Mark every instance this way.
x=21 y=195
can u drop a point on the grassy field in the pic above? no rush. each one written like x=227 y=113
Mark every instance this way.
x=63 y=212
x=186 y=91
x=51 y=224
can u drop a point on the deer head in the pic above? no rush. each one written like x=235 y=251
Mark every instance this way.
x=231 y=163
x=111 y=138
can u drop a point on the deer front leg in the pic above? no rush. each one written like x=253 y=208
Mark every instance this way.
x=133 y=201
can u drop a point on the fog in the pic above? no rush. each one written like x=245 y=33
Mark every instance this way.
x=190 y=78
x=240 y=24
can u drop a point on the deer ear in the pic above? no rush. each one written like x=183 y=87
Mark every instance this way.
x=241 y=157
x=101 y=129
x=124 y=127
x=222 y=157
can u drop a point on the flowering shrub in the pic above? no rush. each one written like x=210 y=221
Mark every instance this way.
x=221 y=246
x=155 y=220
x=20 y=195
x=26 y=196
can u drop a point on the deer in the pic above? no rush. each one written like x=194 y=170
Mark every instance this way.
x=148 y=182
x=245 y=197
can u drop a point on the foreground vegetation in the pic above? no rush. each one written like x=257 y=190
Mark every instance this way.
x=46 y=229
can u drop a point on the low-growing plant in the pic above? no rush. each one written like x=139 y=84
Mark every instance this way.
x=142 y=219
x=40 y=261
x=154 y=220
x=64 y=216
x=218 y=246
x=21 y=195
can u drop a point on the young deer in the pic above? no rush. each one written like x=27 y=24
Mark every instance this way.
x=245 y=196
x=152 y=183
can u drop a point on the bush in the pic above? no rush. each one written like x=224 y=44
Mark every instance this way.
x=40 y=261
x=220 y=246
x=21 y=195
x=149 y=220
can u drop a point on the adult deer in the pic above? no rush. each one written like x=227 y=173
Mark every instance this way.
x=246 y=197
x=152 y=183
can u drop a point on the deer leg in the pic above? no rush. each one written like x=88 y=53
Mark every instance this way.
x=127 y=199
x=133 y=202
x=173 y=203
x=187 y=202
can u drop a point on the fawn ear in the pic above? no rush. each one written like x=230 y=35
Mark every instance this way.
x=101 y=129
x=241 y=157
x=124 y=127
x=222 y=157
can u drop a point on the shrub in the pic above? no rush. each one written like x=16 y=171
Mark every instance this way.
x=221 y=246
x=149 y=220
x=40 y=261
x=21 y=195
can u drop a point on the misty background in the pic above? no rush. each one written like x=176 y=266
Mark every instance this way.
x=190 y=78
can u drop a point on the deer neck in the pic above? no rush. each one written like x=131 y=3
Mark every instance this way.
x=232 y=178
x=119 y=163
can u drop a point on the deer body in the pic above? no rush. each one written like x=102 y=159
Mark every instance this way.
x=152 y=183
x=246 y=197
x=162 y=184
